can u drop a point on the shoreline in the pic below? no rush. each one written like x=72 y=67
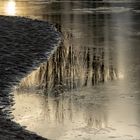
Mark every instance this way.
x=24 y=44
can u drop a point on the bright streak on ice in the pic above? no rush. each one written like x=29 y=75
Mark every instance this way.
x=121 y=76
x=11 y=8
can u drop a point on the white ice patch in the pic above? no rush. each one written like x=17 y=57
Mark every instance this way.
x=118 y=1
x=104 y=10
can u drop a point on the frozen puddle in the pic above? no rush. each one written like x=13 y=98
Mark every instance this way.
x=84 y=115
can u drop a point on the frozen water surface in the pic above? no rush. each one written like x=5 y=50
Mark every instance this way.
x=89 y=88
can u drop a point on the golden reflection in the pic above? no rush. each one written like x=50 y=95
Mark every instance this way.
x=10 y=8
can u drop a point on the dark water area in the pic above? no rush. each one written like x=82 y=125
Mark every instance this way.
x=89 y=88
x=16 y=60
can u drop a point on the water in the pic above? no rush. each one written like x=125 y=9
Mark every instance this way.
x=89 y=89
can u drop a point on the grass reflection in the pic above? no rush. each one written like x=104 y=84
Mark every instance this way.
x=62 y=110
x=70 y=68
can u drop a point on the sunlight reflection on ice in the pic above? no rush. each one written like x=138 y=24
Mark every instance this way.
x=10 y=8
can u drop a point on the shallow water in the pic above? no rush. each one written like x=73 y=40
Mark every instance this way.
x=92 y=85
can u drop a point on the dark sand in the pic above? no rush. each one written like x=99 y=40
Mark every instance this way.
x=24 y=44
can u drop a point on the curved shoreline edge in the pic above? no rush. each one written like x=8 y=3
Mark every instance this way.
x=24 y=44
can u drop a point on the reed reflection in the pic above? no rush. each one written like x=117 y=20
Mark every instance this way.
x=84 y=57
x=70 y=68
x=55 y=112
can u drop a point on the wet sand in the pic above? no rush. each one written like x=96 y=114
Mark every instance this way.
x=24 y=44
